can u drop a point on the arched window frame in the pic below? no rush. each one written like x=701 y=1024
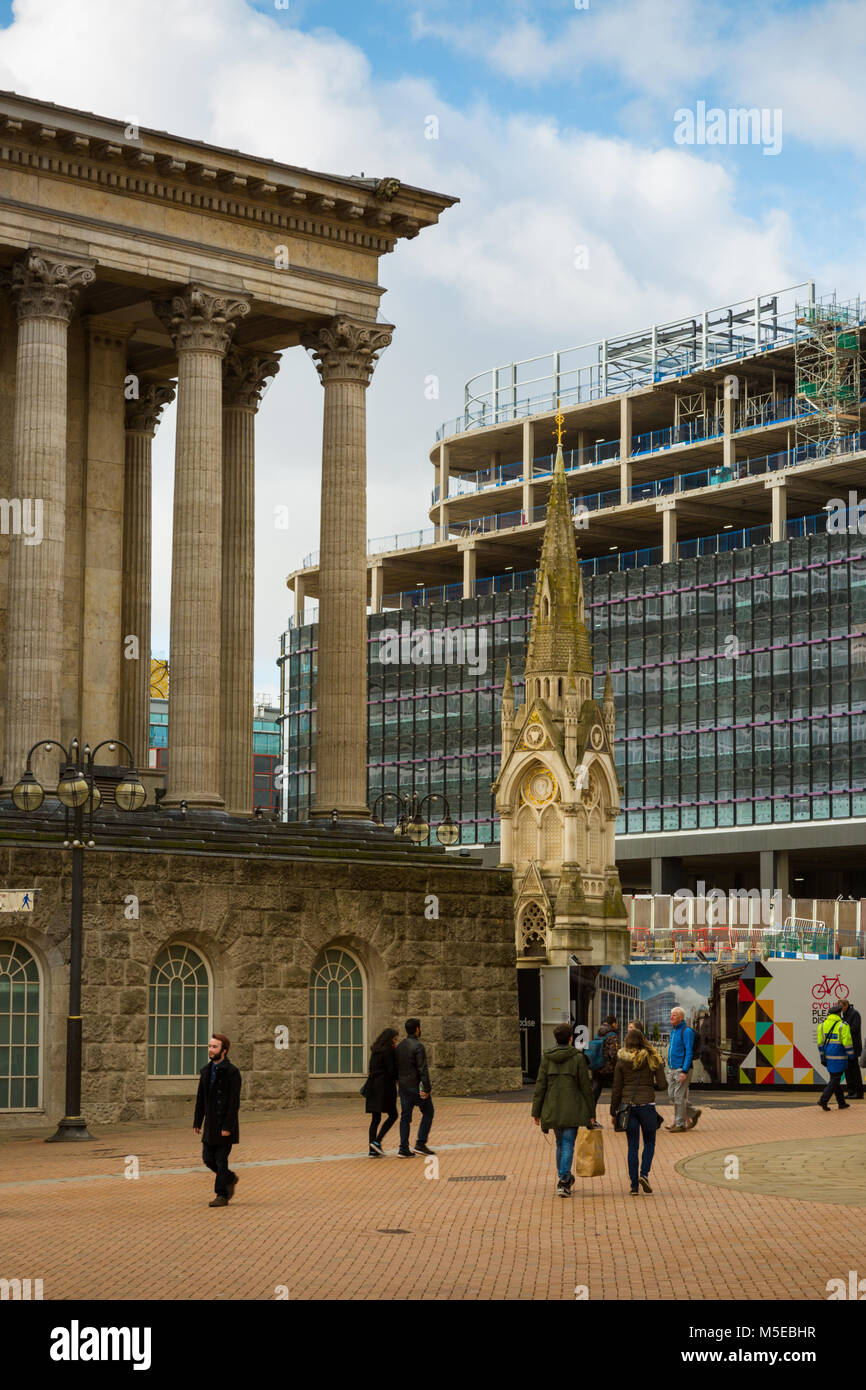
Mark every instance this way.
x=182 y=1075
x=40 y=1030
x=359 y=1062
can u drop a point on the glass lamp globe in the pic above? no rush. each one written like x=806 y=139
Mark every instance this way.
x=418 y=830
x=130 y=794
x=73 y=788
x=28 y=794
x=447 y=833
x=94 y=801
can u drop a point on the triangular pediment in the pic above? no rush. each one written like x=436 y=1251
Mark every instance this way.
x=532 y=886
x=539 y=730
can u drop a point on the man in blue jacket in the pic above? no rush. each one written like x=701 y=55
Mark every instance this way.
x=681 y=1050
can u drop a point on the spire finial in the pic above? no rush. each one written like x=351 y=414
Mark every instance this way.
x=559 y=417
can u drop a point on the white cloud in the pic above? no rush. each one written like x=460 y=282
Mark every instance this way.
x=496 y=280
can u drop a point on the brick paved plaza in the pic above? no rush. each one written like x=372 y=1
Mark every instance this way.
x=314 y=1214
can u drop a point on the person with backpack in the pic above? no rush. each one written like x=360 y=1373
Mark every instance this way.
x=595 y=1059
x=836 y=1049
x=681 y=1052
x=380 y=1089
x=639 y=1073
x=563 y=1101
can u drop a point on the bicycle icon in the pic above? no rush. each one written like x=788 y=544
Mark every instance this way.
x=830 y=985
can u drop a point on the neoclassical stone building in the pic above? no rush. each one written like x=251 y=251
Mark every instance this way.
x=139 y=266
x=557 y=792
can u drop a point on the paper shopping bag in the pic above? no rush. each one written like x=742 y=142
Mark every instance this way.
x=589 y=1154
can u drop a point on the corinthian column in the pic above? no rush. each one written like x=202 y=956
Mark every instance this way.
x=244 y=378
x=200 y=323
x=346 y=353
x=142 y=418
x=44 y=289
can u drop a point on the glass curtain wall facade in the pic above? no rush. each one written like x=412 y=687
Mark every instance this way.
x=739 y=677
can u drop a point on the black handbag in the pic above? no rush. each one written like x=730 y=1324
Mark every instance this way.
x=364 y=1087
x=624 y=1109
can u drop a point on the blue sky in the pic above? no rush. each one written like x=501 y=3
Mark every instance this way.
x=556 y=129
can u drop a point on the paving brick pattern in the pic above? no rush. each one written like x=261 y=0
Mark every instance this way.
x=313 y=1214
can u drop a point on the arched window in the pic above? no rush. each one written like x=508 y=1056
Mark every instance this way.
x=551 y=836
x=179 y=1019
x=19 y=1028
x=337 y=1028
x=533 y=930
x=596 y=863
x=527 y=837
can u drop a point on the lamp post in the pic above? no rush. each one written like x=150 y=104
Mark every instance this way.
x=77 y=791
x=412 y=824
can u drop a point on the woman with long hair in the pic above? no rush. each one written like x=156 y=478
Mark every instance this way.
x=638 y=1074
x=380 y=1091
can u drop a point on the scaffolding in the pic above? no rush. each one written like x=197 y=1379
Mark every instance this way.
x=827 y=368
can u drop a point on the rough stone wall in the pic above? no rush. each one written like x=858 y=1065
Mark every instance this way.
x=260 y=925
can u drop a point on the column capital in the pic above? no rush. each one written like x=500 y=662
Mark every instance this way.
x=44 y=285
x=144 y=414
x=245 y=375
x=346 y=349
x=201 y=319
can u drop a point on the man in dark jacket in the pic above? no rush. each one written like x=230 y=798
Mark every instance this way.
x=217 y=1105
x=563 y=1101
x=413 y=1080
x=853 y=1078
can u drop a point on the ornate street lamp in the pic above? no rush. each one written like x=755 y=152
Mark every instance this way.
x=412 y=823
x=78 y=794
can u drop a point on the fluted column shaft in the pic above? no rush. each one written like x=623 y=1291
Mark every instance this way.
x=201 y=327
x=243 y=380
x=346 y=353
x=142 y=417
x=45 y=291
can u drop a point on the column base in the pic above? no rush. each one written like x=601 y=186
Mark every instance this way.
x=195 y=801
x=343 y=813
x=70 y=1130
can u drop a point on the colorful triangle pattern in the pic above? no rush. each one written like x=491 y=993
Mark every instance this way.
x=773 y=1060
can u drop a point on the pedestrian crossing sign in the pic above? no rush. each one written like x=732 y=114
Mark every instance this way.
x=17 y=899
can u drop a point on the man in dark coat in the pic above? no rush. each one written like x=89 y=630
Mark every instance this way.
x=413 y=1079
x=217 y=1105
x=853 y=1077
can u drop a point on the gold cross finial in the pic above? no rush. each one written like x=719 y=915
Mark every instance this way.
x=559 y=417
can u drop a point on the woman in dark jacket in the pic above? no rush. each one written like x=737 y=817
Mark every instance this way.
x=381 y=1088
x=639 y=1072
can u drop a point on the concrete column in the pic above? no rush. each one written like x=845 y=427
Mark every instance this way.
x=625 y=431
x=44 y=289
x=729 y=453
x=774 y=871
x=300 y=592
x=443 y=483
x=528 y=455
x=142 y=418
x=102 y=631
x=346 y=353
x=778 y=490
x=201 y=323
x=470 y=555
x=505 y=850
x=668 y=510
x=244 y=378
x=666 y=875
x=376 y=585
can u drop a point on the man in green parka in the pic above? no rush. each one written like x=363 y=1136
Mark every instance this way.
x=563 y=1101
